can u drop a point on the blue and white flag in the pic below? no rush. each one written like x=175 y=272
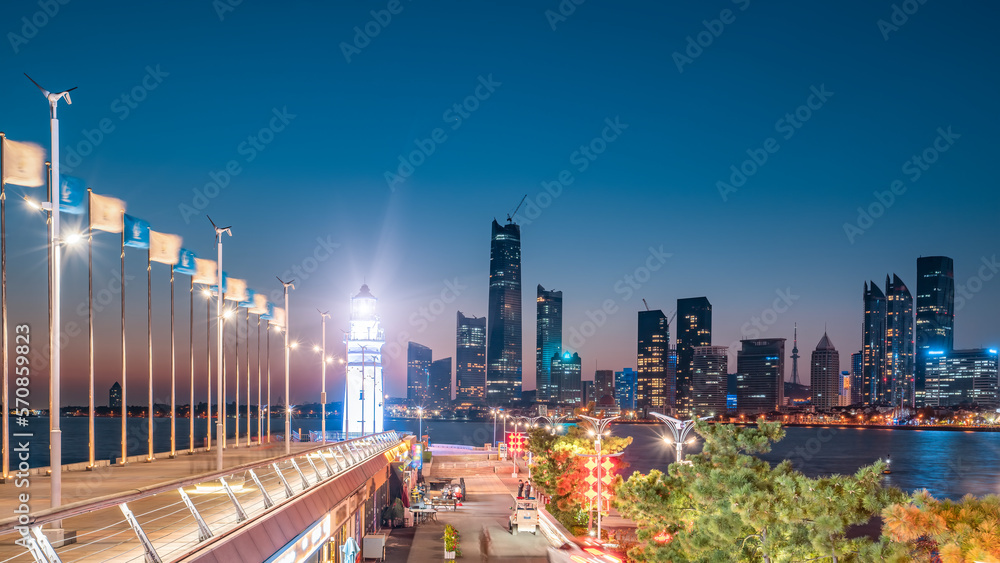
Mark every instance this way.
x=248 y=302
x=269 y=314
x=207 y=272
x=185 y=263
x=225 y=282
x=72 y=194
x=136 y=232
x=164 y=248
x=259 y=304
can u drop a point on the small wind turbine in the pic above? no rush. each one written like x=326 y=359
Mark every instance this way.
x=53 y=97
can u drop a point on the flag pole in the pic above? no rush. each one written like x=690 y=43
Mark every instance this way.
x=236 y=325
x=173 y=373
x=221 y=436
x=90 y=327
x=3 y=316
x=260 y=421
x=208 y=366
x=124 y=458
x=223 y=411
x=149 y=352
x=267 y=360
x=191 y=387
x=247 y=324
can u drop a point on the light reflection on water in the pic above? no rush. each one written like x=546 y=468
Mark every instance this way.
x=948 y=464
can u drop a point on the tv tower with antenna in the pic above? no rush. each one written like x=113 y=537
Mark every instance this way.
x=795 y=356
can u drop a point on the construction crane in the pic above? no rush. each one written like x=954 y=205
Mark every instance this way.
x=510 y=216
x=644 y=303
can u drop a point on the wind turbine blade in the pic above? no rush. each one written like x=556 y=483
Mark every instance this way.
x=212 y=222
x=44 y=91
x=70 y=90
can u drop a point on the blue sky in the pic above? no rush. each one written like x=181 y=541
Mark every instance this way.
x=208 y=83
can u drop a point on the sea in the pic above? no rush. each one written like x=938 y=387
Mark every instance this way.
x=947 y=463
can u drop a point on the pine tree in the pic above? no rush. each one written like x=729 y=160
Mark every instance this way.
x=725 y=504
x=966 y=530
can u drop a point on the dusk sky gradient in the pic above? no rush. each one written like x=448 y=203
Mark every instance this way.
x=323 y=176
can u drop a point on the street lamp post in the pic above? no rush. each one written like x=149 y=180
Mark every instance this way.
x=55 y=433
x=220 y=432
x=599 y=425
x=680 y=429
x=288 y=410
x=553 y=421
x=495 y=412
x=322 y=393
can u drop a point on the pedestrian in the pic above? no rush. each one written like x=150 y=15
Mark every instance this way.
x=520 y=488
x=527 y=490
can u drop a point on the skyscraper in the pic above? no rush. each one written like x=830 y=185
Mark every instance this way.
x=604 y=386
x=439 y=391
x=653 y=391
x=935 y=313
x=503 y=346
x=625 y=383
x=873 y=386
x=857 y=378
x=115 y=396
x=962 y=377
x=364 y=395
x=548 y=341
x=567 y=371
x=418 y=363
x=760 y=379
x=470 y=359
x=899 y=343
x=694 y=328
x=824 y=375
x=710 y=379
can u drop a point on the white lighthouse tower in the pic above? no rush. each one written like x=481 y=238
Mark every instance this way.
x=364 y=399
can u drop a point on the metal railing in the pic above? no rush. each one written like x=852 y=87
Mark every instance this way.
x=168 y=521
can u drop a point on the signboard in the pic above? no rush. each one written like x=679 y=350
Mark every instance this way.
x=502 y=450
x=418 y=456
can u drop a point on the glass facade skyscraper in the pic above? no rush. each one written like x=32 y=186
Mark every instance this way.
x=760 y=375
x=567 y=372
x=887 y=345
x=857 y=378
x=652 y=390
x=873 y=383
x=548 y=342
x=439 y=384
x=503 y=333
x=470 y=359
x=935 y=303
x=710 y=379
x=899 y=342
x=694 y=328
x=625 y=382
x=962 y=377
x=418 y=363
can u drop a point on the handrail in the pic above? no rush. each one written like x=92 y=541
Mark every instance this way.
x=107 y=501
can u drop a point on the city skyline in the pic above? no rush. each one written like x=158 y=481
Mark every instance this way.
x=333 y=223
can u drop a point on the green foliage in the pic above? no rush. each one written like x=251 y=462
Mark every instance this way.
x=427 y=456
x=559 y=471
x=728 y=505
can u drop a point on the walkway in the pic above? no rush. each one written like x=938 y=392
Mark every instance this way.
x=482 y=526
